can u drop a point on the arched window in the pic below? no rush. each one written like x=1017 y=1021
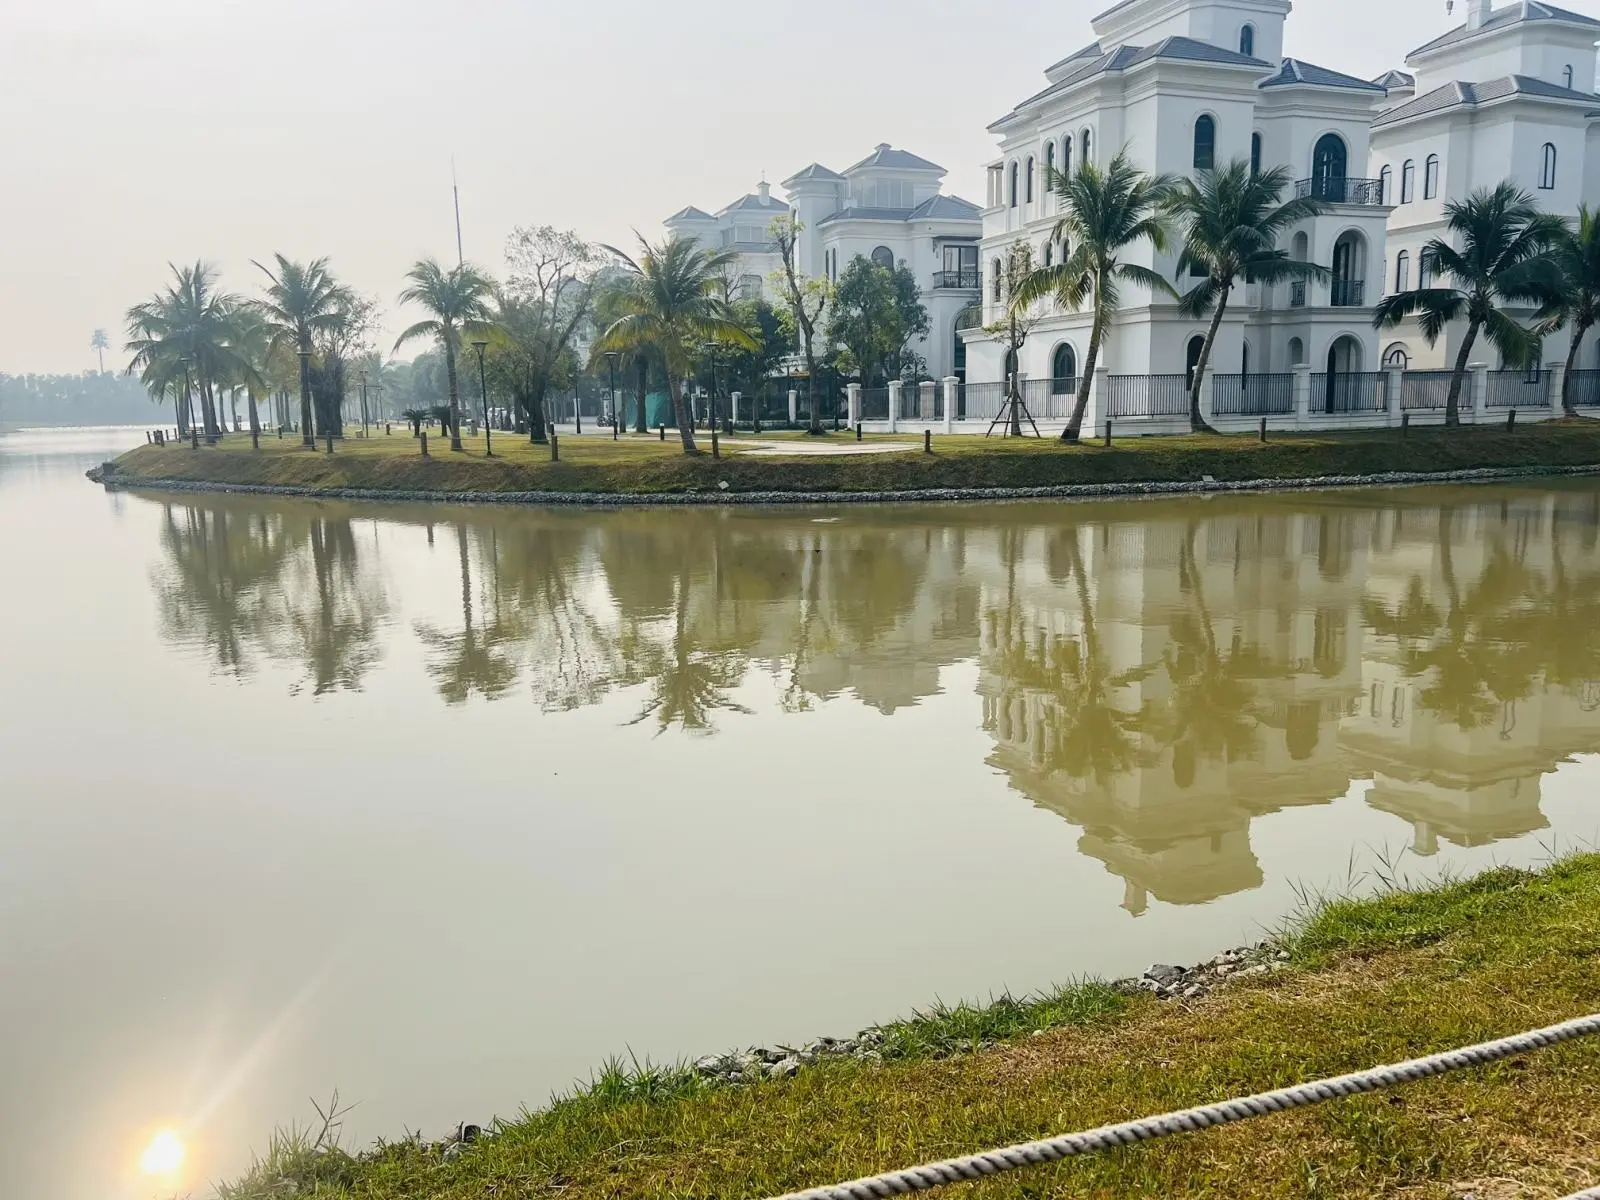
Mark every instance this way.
x=1386 y=186
x=1408 y=181
x=1063 y=370
x=1255 y=154
x=1088 y=149
x=884 y=257
x=1424 y=270
x=1395 y=358
x=1049 y=254
x=1430 y=177
x=1244 y=361
x=1247 y=41
x=1049 y=161
x=1029 y=185
x=995 y=275
x=1205 y=143
x=1547 y=166
x=1402 y=272
x=1191 y=358
x=1066 y=155
x=1013 y=185
x=1297 y=352
x=1328 y=161
x=1566 y=78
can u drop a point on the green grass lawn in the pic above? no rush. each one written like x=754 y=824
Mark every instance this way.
x=642 y=464
x=1369 y=982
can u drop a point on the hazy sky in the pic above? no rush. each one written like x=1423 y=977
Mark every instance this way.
x=134 y=132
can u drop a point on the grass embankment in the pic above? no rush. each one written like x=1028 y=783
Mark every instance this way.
x=1369 y=982
x=643 y=465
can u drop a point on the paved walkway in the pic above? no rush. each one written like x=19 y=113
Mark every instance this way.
x=811 y=449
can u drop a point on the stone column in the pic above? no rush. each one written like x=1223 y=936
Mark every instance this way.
x=733 y=406
x=1558 y=375
x=896 y=390
x=794 y=407
x=853 y=403
x=1302 y=395
x=1099 y=410
x=951 y=384
x=925 y=402
x=1478 y=401
x=1394 y=385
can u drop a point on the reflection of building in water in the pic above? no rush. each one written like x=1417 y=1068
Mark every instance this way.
x=1163 y=683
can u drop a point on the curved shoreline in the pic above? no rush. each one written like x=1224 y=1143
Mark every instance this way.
x=118 y=481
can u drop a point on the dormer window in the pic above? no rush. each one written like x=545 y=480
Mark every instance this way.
x=1247 y=41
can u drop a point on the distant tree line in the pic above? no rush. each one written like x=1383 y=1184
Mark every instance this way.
x=93 y=398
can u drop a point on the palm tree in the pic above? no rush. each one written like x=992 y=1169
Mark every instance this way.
x=671 y=304
x=1103 y=214
x=303 y=300
x=415 y=417
x=1233 y=218
x=459 y=301
x=1577 y=257
x=183 y=337
x=100 y=343
x=253 y=340
x=1505 y=258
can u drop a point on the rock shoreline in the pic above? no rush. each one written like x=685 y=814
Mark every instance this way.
x=109 y=476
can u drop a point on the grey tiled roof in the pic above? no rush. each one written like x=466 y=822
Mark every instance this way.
x=868 y=214
x=1514 y=14
x=1092 y=50
x=946 y=208
x=1294 y=71
x=754 y=203
x=896 y=160
x=1468 y=95
x=1390 y=80
x=691 y=214
x=814 y=171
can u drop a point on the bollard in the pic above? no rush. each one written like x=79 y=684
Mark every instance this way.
x=328 y=437
x=1405 y=424
x=1263 y=433
x=858 y=431
x=388 y=430
x=663 y=431
x=424 y=443
x=1511 y=421
x=147 y=437
x=927 y=441
x=555 y=447
x=1108 y=433
x=280 y=433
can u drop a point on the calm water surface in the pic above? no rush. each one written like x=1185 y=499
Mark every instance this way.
x=439 y=807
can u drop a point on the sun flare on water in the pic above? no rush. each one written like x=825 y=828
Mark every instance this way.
x=163 y=1156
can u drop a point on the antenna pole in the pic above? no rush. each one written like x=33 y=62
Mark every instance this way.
x=455 y=189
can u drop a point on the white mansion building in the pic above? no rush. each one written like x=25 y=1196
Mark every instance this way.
x=888 y=208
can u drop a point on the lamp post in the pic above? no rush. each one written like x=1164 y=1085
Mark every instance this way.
x=616 y=409
x=308 y=437
x=363 y=402
x=712 y=349
x=188 y=403
x=483 y=393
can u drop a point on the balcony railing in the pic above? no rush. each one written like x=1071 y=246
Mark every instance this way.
x=1297 y=294
x=1338 y=190
x=1348 y=293
x=970 y=279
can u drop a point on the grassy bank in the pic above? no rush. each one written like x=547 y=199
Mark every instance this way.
x=643 y=465
x=1368 y=982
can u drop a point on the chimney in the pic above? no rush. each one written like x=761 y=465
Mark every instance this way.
x=1478 y=13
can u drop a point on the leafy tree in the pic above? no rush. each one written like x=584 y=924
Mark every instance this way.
x=1505 y=258
x=636 y=363
x=803 y=303
x=671 y=305
x=1233 y=218
x=302 y=301
x=1104 y=213
x=184 y=336
x=337 y=348
x=1015 y=324
x=458 y=301
x=1576 y=304
x=552 y=275
x=876 y=315
x=749 y=369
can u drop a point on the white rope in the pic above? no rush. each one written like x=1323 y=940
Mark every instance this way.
x=1592 y=1194
x=1027 y=1154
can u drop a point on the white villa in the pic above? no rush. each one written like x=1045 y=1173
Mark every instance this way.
x=1506 y=95
x=889 y=208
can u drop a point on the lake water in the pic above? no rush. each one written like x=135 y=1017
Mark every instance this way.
x=441 y=806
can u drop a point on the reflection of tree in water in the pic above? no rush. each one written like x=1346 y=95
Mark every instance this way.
x=330 y=623
x=687 y=684
x=473 y=660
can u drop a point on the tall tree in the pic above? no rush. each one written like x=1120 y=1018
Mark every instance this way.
x=1232 y=219
x=1504 y=258
x=1015 y=323
x=552 y=275
x=100 y=343
x=182 y=337
x=1576 y=305
x=458 y=303
x=1104 y=214
x=877 y=313
x=803 y=302
x=303 y=300
x=671 y=305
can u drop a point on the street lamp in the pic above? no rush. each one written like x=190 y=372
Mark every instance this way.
x=616 y=417
x=712 y=349
x=188 y=403
x=483 y=393
x=308 y=437
x=363 y=402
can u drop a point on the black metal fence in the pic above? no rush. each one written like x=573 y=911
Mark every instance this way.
x=911 y=406
x=1426 y=391
x=980 y=401
x=1134 y=397
x=875 y=404
x=1252 y=395
x=1050 y=399
x=1338 y=190
x=1583 y=388
x=1518 y=389
x=1348 y=392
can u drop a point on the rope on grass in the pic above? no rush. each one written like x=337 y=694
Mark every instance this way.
x=1108 y=1137
x=1592 y=1194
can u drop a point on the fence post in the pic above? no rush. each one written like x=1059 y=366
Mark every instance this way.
x=853 y=403
x=424 y=443
x=1394 y=390
x=896 y=393
x=925 y=402
x=1479 y=407
x=794 y=408
x=1099 y=399
x=951 y=383
x=733 y=406
x=1558 y=375
x=1302 y=395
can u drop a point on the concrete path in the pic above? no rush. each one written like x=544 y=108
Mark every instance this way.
x=812 y=449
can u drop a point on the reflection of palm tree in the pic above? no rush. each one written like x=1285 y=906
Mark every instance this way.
x=336 y=638
x=472 y=660
x=687 y=684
